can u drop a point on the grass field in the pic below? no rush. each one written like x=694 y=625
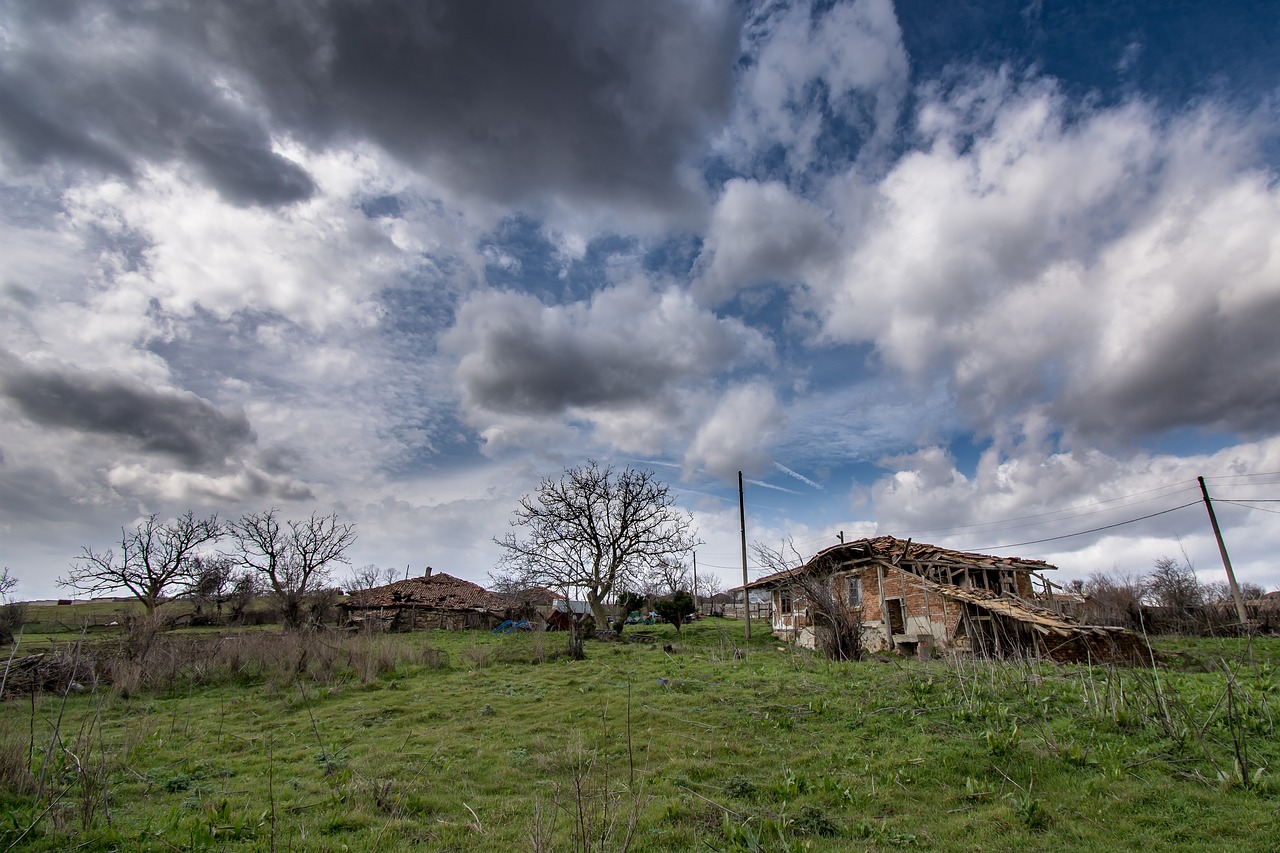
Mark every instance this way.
x=477 y=742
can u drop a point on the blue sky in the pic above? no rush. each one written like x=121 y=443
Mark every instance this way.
x=989 y=275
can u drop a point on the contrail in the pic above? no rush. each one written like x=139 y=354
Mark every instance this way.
x=801 y=477
x=765 y=485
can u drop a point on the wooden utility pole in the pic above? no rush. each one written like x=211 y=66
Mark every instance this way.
x=1226 y=561
x=696 y=603
x=742 y=522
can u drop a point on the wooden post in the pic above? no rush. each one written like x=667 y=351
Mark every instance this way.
x=746 y=594
x=696 y=605
x=1226 y=561
x=884 y=610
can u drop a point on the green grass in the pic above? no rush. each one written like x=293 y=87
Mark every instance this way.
x=474 y=742
x=51 y=624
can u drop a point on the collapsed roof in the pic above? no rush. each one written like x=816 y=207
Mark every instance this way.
x=439 y=590
x=916 y=557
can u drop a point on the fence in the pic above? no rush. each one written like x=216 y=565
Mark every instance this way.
x=763 y=612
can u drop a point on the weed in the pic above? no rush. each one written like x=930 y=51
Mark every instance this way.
x=812 y=820
x=879 y=833
x=740 y=787
x=15 y=775
x=332 y=760
x=882 y=755
x=173 y=782
x=1030 y=812
x=1003 y=742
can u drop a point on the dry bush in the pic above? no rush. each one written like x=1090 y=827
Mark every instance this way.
x=601 y=805
x=124 y=675
x=431 y=657
x=369 y=657
x=477 y=658
x=279 y=660
x=15 y=775
x=538 y=648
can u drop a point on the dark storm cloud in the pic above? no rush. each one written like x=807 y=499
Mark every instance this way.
x=585 y=97
x=175 y=423
x=112 y=89
x=599 y=100
x=629 y=345
x=1208 y=369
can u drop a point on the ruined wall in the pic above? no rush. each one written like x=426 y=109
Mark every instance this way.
x=925 y=614
x=420 y=619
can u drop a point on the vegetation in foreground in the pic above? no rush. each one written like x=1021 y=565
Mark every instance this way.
x=269 y=741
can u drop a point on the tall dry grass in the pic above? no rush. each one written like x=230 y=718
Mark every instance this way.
x=276 y=659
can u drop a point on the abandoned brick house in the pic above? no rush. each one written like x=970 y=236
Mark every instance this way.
x=908 y=594
x=435 y=600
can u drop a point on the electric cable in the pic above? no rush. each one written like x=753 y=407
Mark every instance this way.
x=989 y=548
x=1246 y=506
x=1189 y=486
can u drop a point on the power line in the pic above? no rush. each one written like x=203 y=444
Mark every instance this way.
x=1243 y=476
x=1189 y=486
x=1247 y=506
x=997 y=526
x=1255 y=500
x=988 y=548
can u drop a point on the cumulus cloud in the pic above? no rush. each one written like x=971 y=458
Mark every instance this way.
x=737 y=434
x=245 y=484
x=627 y=346
x=591 y=100
x=1031 y=253
x=815 y=76
x=761 y=232
x=317 y=266
x=1033 y=492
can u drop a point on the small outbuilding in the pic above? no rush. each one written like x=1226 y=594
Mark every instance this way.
x=436 y=600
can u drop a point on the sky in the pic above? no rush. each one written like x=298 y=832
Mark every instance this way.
x=998 y=276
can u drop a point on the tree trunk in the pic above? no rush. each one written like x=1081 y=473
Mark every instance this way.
x=575 y=638
x=597 y=610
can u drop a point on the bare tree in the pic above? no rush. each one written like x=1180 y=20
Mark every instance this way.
x=596 y=530
x=1216 y=591
x=1114 y=598
x=294 y=560
x=212 y=581
x=709 y=586
x=155 y=560
x=837 y=625
x=244 y=589
x=12 y=613
x=668 y=577
x=365 y=577
x=1173 y=583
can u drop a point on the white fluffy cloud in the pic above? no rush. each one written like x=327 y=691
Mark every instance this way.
x=738 y=433
x=760 y=232
x=1036 y=493
x=626 y=362
x=1124 y=265
x=847 y=60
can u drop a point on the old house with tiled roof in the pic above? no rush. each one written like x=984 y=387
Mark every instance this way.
x=909 y=594
x=435 y=600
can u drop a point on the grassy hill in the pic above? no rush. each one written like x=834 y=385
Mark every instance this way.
x=263 y=741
